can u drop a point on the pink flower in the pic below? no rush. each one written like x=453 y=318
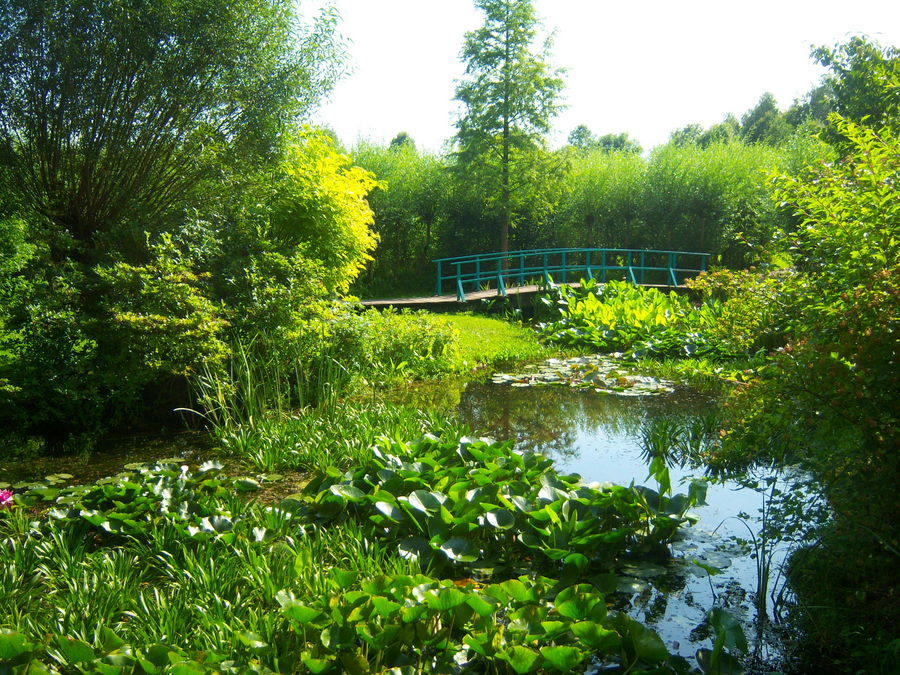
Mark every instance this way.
x=6 y=498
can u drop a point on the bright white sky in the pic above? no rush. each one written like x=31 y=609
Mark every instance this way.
x=646 y=67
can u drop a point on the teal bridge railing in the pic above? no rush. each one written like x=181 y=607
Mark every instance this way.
x=484 y=271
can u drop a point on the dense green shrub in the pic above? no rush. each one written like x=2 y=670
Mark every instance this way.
x=618 y=316
x=827 y=399
x=754 y=305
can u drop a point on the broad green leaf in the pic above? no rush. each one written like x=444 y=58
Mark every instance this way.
x=300 y=613
x=343 y=579
x=728 y=629
x=596 y=636
x=647 y=643
x=481 y=606
x=722 y=664
x=460 y=549
x=522 y=659
x=500 y=518
x=349 y=492
x=424 y=501
x=13 y=645
x=445 y=599
x=75 y=651
x=316 y=665
x=563 y=658
x=246 y=484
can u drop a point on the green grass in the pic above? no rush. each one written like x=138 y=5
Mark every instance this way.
x=484 y=341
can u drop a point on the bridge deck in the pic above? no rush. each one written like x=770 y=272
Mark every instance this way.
x=447 y=301
x=452 y=299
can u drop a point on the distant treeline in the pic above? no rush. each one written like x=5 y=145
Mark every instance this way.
x=685 y=195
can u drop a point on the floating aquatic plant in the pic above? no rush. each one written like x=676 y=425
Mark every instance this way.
x=603 y=374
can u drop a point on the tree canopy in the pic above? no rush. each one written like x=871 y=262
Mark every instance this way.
x=510 y=94
x=112 y=109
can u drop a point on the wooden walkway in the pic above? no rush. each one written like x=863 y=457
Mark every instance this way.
x=452 y=302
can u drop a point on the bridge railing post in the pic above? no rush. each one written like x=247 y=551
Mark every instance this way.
x=439 y=284
x=587 y=264
x=521 y=269
x=565 y=269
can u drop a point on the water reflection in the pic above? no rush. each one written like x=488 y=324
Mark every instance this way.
x=610 y=438
x=596 y=435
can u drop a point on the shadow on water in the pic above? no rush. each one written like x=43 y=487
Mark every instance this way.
x=108 y=459
x=608 y=438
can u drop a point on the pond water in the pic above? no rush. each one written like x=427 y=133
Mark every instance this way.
x=601 y=437
x=106 y=460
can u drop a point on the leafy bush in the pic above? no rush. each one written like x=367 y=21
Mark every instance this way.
x=827 y=399
x=754 y=305
x=619 y=316
x=382 y=345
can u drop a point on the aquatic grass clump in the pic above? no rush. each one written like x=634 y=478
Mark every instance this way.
x=313 y=439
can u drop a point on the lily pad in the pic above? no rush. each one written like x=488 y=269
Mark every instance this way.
x=600 y=373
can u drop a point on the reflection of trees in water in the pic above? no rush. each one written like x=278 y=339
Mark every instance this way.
x=548 y=419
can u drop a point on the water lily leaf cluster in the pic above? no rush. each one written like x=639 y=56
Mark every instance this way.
x=202 y=503
x=169 y=569
x=522 y=625
x=478 y=503
x=600 y=373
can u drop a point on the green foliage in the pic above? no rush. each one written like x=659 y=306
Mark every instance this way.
x=115 y=120
x=686 y=196
x=162 y=313
x=165 y=568
x=508 y=627
x=864 y=81
x=89 y=136
x=509 y=95
x=582 y=139
x=407 y=206
x=696 y=199
x=478 y=504
x=384 y=345
x=603 y=203
x=754 y=307
x=765 y=123
x=619 y=316
x=320 y=209
x=827 y=399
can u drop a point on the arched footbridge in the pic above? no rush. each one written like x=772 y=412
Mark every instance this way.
x=474 y=277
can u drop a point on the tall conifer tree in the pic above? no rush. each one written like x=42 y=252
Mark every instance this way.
x=510 y=95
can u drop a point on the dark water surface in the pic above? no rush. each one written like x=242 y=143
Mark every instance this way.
x=599 y=437
x=108 y=459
